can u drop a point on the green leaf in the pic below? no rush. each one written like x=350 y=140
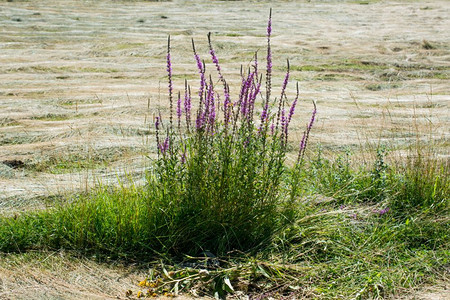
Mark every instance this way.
x=263 y=272
x=219 y=292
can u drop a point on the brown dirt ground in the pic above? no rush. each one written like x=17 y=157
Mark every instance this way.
x=81 y=81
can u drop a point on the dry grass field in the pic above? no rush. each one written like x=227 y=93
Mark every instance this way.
x=81 y=83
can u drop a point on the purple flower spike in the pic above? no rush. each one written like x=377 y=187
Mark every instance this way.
x=214 y=58
x=211 y=107
x=204 y=116
x=285 y=82
x=292 y=109
x=253 y=100
x=291 y=113
x=242 y=92
x=302 y=143
x=199 y=122
x=169 y=72
x=157 y=122
x=246 y=94
x=164 y=146
x=226 y=92
x=313 y=118
x=201 y=70
x=179 y=111
x=283 y=95
x=264 y=118
x=304 y=140
x=227 y=106
x=264 y=114
x=284 y=123
x=269 y=59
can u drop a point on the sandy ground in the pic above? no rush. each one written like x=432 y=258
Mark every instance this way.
x=81 y=81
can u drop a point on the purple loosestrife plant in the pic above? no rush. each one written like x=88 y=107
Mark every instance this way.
x=227 y=183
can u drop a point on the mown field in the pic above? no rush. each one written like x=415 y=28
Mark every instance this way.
x=83 y=83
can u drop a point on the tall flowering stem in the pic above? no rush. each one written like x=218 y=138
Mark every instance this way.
x=227 y=106
x=200 y=115
x=246 y=93
x=179 y=111
x=226 y=89
x=211 y=106
x=294 y=104
x=164 y=147
x=187 y=104
x=253 y=98
x=183 y=155
x=283 y=127
x=265 y=113
x=283 y=95
x=255 y=65
x=169 y=72
x=304 y=141
x=269 y=58
x=291 y=113
x=157 y=123
x=264 y=118
x=201 y=70
x=214 y=57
